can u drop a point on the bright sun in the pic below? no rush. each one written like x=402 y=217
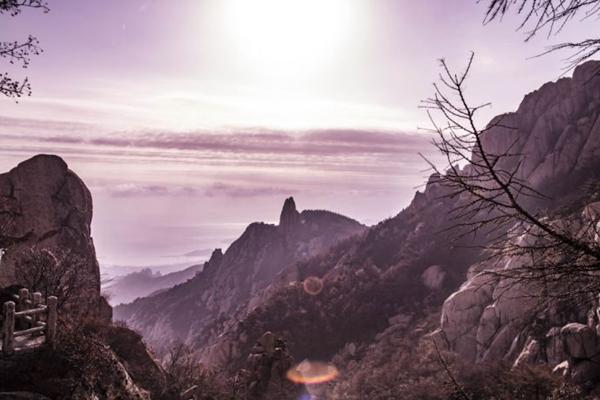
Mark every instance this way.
x=289 y=38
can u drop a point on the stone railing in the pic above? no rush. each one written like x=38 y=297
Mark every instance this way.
x=27 y=319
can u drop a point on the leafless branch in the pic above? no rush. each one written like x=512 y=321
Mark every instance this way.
x=14 y=7
x=550 y=16
x=18 y=53
x=490 y=199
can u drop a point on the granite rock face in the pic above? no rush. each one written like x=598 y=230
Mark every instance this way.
x=46 y=206
x=556 y=134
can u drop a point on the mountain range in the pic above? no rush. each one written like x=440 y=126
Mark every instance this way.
x=230 y=281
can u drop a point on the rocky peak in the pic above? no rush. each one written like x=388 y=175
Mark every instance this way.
x=289 y=215
x=216 y=257
x=214 y=262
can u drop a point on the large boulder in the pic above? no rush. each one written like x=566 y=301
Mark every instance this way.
x=580 y=341
x=139 y=362
x=45 y=206
x=462 y=312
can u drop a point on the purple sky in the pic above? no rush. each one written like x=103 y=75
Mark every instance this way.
x=190 y=119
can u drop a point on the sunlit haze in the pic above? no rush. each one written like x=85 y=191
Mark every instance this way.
x=190 y=119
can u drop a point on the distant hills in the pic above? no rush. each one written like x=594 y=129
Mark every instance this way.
x=126 y=288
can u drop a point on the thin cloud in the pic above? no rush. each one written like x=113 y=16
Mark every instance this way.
x=217 y=189
x=326 y=142
x=222 y=189
x=136 y=190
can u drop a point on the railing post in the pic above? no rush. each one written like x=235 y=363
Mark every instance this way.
x=36 y=302
x=23 y=300
x=51 y=321
x=36 y=299
x=8 y=341
x=23 y=305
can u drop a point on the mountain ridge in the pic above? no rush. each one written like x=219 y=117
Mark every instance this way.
x=230 y=279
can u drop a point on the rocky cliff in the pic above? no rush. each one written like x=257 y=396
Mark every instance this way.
x=204 y=304
x=493 y=317
x=46 y=206
x=554 y=134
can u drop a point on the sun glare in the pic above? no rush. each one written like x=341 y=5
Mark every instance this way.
x=289 y=38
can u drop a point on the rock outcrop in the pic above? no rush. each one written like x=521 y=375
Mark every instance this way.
x=137 y=360
x=495 y=317
x=198 y=309
x=81 y=368
x=46 y=206
x=555 y=133
x=289 y=217
x=264 y=375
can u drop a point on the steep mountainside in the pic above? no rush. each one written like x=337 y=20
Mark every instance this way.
x=377 y=285
x=385 y=276
x=491 y=317
x=555 y=133
x=229 y=280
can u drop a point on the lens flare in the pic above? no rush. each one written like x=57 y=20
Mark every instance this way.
x=313 y=285
x=312 y=372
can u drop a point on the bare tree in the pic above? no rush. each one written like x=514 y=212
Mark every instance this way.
x=18 y=52
x=559 y=256
x=550 y=17
x=56 y=273
x=186 y=375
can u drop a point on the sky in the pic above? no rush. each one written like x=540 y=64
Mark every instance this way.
x=190 y=119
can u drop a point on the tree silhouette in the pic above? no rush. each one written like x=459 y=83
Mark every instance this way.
x=18 y=52
x=550 y=17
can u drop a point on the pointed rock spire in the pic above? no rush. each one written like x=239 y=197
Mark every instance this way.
x=216 y=257
x=289 y=215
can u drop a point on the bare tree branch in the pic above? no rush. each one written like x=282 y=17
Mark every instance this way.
x=550 y=16
x=18 y=53
x=14 y=7
x=559 y=253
